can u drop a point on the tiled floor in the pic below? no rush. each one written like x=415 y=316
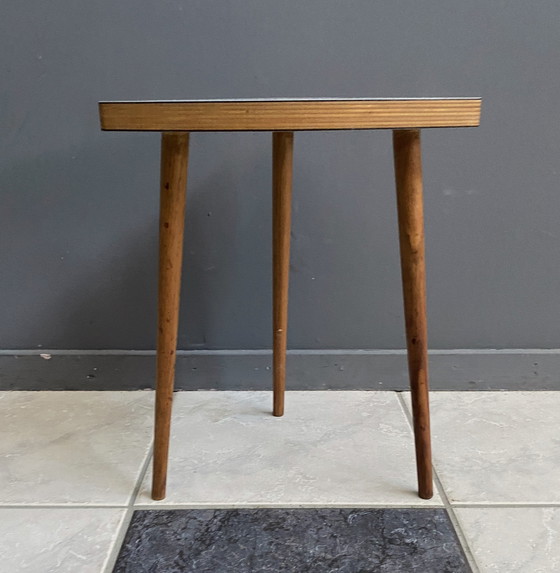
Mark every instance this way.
x=328 y=487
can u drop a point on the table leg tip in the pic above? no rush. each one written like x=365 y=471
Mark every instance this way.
x=158 y=494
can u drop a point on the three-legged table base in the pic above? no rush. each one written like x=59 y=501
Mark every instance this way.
x=408 y=176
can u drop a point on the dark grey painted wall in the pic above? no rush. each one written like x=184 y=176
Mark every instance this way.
x=78 y=212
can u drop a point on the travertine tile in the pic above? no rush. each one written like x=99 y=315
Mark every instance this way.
x=497 y=447
x=72 y=447
x=516 y=540
x=344 y=449
x=55 y=540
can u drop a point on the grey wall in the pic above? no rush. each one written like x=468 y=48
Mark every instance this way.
x=78 y=212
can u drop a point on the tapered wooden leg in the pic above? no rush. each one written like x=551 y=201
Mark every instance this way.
x=408 y=176
x=282 y=151
x=174 y=157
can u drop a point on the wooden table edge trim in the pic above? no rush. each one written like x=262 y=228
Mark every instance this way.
x=289 y=115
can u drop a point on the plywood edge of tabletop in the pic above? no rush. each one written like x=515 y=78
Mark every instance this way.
x=255 y=115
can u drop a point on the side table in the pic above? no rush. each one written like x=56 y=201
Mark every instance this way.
x=176 y=119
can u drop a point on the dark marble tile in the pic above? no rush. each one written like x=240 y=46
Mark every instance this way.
x=291 y=540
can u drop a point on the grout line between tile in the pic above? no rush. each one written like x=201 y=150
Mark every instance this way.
x=443 y=495
x=141 y=476
x=145 y=506
x=114 y=551
x=61 y=506
x=456 y=524
x=322 y=505
x=112 y=554
x=505 y=505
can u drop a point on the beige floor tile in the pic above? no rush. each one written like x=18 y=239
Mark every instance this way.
x=497 y=447
x=57 y=540
x=330 y=449
x=72 y=447
x=513 y=540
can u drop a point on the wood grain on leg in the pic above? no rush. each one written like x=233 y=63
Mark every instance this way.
x=408 y=176
x=174 y=157
x=282 y=144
